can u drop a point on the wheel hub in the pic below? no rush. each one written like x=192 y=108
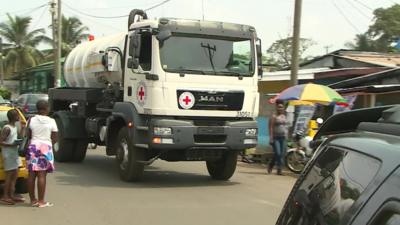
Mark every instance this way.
x=122 y=155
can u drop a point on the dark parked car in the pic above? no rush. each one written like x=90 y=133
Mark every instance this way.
x=27 y=103
x=354 y=176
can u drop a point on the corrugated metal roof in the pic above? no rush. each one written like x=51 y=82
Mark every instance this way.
x=305 y=74
x=388 y=60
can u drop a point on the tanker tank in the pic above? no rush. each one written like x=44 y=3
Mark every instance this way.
x=84 y=66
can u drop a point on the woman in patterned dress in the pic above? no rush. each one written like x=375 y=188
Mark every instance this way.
x=40 y=160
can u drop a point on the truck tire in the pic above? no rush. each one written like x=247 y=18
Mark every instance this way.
x=80 y=150
x=224 y=168
x=127 y=157
x=21 y=186
x=64 y=148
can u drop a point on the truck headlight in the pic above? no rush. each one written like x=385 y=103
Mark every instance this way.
x=251 y=132
x=162 y=131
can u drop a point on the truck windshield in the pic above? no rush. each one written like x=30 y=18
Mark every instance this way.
x=198 y=55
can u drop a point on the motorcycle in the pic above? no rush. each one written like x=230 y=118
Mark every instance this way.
x=297 y=156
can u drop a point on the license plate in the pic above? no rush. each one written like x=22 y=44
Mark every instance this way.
x=210 y=130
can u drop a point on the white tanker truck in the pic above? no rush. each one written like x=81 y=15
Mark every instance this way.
x=171 y=89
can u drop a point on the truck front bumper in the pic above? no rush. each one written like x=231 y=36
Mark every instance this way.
x=191 y=134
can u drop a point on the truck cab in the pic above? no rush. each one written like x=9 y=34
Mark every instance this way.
x=174 y=89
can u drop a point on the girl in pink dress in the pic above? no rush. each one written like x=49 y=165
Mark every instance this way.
x=40 y=160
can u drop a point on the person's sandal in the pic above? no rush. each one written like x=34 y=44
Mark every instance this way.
x=18 y=199
x=47 y=204
x=35 y=203
x=7 y=201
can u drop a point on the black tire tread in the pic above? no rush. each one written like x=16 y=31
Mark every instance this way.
x=135 y=170
x=224 y=168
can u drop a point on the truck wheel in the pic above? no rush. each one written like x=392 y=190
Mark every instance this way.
x=64 y=148
x=80 y=150
x=224 y=168
x=127 y=157
x=21 y=186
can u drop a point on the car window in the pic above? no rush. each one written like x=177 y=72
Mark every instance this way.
x=393 y=219
x=3 y=119
x=35 y=98
x=388 y=214
x=20 y=100
x=332 y=185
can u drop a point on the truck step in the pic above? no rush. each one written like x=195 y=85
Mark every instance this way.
x=146 y=146
x=144 y=128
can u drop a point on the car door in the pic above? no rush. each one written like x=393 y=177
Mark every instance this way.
x=331 y=188
x=383 y=208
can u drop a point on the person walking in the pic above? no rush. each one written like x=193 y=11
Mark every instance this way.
x=278 y=131
x=40 y=160
x=11 y=160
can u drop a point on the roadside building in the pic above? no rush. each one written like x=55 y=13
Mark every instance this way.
x=376 y=89
x=338 y=67
x=37 y=79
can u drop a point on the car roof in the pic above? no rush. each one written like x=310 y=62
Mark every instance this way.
x=5 y=108
x=381 y=146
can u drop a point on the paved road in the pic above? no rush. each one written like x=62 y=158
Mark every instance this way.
x=171 y=194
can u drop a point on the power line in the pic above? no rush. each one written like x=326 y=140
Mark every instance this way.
x=30 y=10
x=120 y=7
x=364 y=5
x=40 y=18
x=359 y=10
x=93 y=21
x=157 y=5
x=345 y=17
x=112 y=17
x=86 y=14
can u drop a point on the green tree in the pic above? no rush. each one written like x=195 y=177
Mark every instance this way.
x=280 y=52
x=386 y=27
x=362 y=42
x=73 y=32
x=21 y=52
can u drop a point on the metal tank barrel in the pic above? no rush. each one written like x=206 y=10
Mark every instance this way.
x=84 y=66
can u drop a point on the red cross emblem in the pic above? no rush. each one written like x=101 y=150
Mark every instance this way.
x=186 y=100
x=141 y=93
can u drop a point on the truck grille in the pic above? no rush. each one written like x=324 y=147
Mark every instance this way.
x=207 y=100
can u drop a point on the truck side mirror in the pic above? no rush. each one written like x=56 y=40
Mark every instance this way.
x=133 y=63
x=259 y=58
x=163 y=35
x=135 y=45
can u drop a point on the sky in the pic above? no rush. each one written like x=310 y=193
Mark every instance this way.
x=329 y=23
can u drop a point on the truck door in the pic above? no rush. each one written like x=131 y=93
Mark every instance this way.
x=139 y=66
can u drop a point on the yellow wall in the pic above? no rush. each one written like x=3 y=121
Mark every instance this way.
x=268 y=87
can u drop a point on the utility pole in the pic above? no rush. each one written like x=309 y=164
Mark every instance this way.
x=1 y=64
x=202 y=8
x=55 y=10
x=327 y=47
x=295 y=42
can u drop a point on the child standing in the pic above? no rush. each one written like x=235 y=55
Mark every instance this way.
x=11 y=160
